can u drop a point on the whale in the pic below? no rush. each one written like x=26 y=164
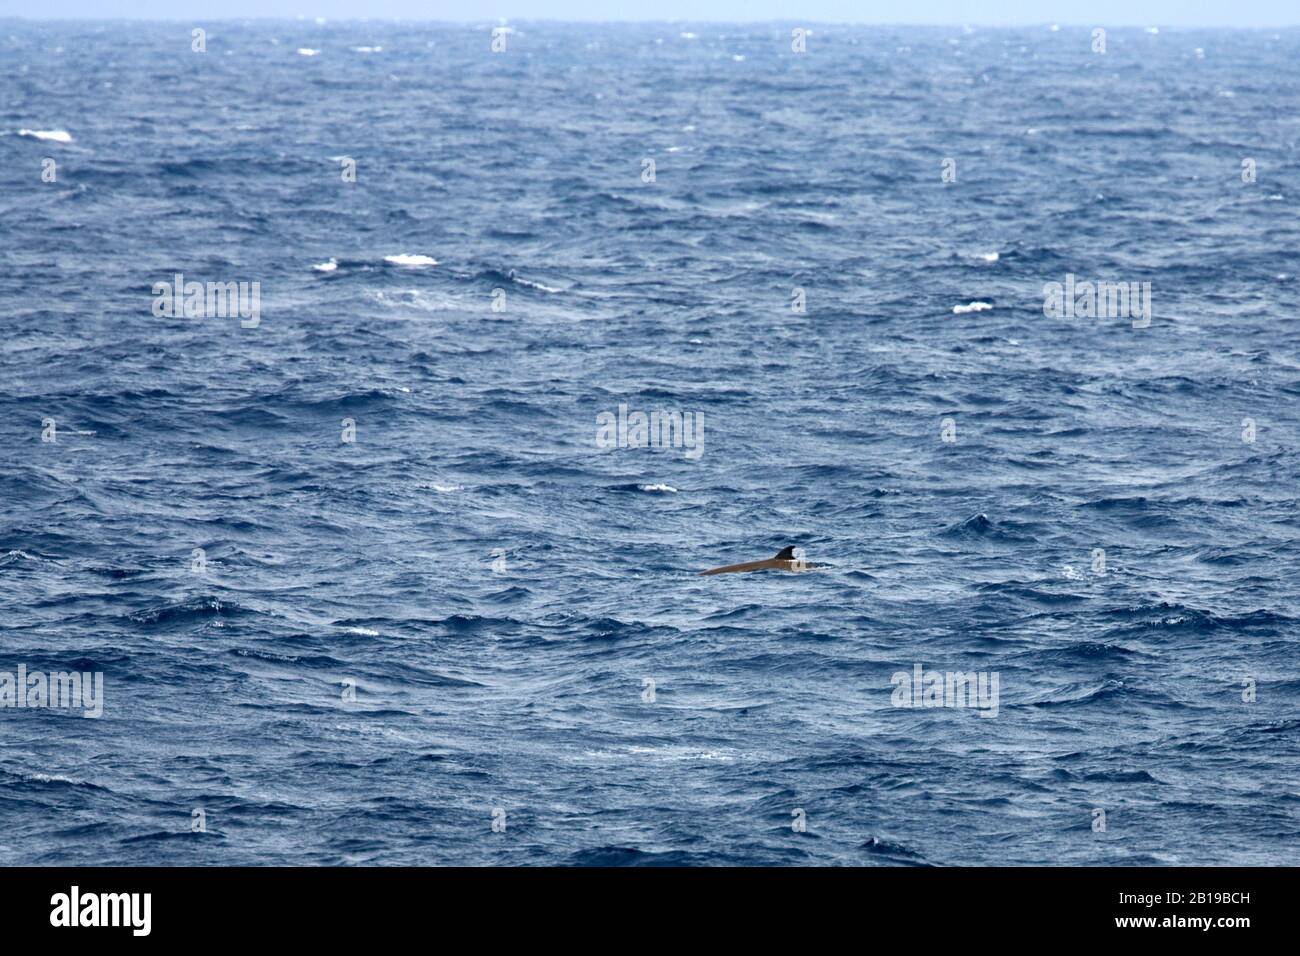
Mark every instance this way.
x=784 y=560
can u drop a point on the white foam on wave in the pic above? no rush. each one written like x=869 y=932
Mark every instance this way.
x=533 y=285
x=664 y=489
x=326 y=266
x=989 y=256
x=682 y=752
x=403 y=300
x=971 y=307
x=307 y=51
x=50 y=778
x=47 y=135
x=363 y=631
x=407 y=259
x=367 y=49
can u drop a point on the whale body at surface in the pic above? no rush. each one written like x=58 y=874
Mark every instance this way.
x=785 y=560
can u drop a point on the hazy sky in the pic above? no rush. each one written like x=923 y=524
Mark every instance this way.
x=1253 y=13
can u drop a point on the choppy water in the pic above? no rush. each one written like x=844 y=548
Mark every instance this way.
x=521 y=687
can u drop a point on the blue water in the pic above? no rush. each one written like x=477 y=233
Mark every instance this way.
x=500 y=589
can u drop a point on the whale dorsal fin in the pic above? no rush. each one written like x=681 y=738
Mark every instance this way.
x=785 y=554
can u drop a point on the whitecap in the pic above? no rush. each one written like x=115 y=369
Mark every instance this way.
x=326 y=266
x=403 y=298
x=446 y=489
x=989 y=256
x=407 y=259
x=367 y=49
x=666 y=489
x=689 y=36
x=51 y=778
x=972 y=307
x=363 y=631
x=49 y=135
x=307 y=51
x=531 y=284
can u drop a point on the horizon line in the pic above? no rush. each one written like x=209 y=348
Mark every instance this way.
x=953 y=24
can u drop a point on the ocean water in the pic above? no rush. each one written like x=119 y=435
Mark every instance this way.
x=473 y=634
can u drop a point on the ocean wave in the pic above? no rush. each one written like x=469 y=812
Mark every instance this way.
x=194 y=609
x=18 y=556
x=47 y=135
x=809 y=321
x=1085 y=653
x=980 y=527
x=1109 y=690
x=607 y=856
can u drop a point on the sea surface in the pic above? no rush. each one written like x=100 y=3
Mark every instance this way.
x=473 y=635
